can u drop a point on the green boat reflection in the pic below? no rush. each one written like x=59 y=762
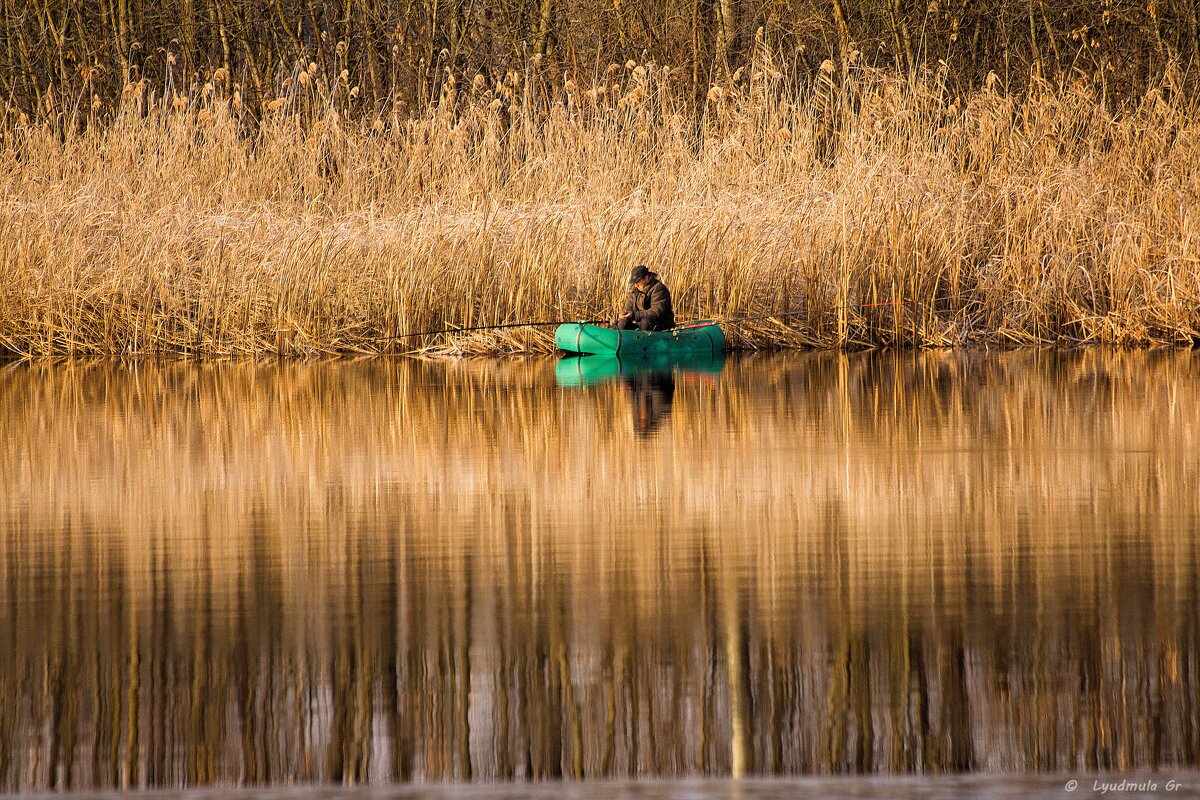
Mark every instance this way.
x=579 y=371
x=649 y=380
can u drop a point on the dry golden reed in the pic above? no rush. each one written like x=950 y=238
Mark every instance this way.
x=889 y=211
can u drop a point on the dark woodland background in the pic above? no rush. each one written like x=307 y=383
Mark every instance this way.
x=398 y=53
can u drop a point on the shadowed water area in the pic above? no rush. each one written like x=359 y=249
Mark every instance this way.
x=397 y=570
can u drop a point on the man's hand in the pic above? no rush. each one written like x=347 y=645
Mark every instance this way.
x=627 y=315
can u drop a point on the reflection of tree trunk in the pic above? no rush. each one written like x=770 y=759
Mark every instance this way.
x=567 y=702
x=925 y=759
x=132 y=718
x=389 y=659
x=859 y=667
x=550 y=723
x=340 y=733
x=956 y=710
x=503 y=678
x=63 y=713
x=462 y=669
x=736 y=670
x=610 y=710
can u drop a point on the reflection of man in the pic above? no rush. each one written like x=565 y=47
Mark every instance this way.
x=649 y=304
x=652 y=394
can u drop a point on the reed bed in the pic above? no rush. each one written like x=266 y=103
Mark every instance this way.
x=889 y=210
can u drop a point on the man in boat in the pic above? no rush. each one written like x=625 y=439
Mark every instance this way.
x=649 y=305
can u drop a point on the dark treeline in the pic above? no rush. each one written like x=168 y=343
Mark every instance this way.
x=57 y=52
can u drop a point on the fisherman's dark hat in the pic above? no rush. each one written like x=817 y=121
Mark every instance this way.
x=639 y=272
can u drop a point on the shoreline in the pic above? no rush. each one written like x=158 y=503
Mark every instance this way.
x=554 y=355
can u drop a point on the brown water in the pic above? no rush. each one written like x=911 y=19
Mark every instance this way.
x=385 y=571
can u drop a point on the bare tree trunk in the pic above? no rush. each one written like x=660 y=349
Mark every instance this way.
x=9 y=78
x=701 y=65
x=187 y=32
x=622 y=35
x=545 y=18
x=460 y=21
x=55 y=34
x=252 y=65
x=1033 y=45
x=727 y=17
x=223 y=34
x=843 y=34
x=370 y=56
x=1194 y=24
x=1050 y=35
x=123 y=36
x=904 y=53
x=110 y=16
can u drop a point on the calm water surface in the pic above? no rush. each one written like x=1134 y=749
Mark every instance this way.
x=804 y=565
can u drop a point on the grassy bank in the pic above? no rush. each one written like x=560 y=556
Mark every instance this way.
x=178 y=227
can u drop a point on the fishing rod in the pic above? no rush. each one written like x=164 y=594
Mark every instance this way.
x=546 y=324
x=490 y=328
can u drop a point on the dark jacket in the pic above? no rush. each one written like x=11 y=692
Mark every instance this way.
x=653 y=305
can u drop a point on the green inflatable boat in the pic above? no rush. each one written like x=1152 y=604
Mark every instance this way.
x=696 y=337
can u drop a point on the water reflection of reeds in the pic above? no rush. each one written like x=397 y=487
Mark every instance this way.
x=404 y=570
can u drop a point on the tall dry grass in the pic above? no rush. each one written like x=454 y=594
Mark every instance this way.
x=178 y=226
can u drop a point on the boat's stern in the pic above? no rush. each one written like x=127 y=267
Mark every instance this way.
x=575 y=337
